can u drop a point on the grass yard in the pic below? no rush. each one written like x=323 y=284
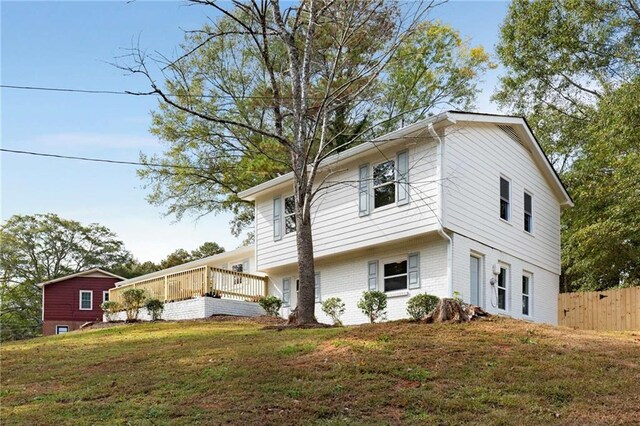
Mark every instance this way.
x=495 y=371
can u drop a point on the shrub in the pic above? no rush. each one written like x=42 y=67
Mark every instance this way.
x=420 y=305
x=132 y=301
x=154 y=308
x=271 y=305
x=373 y=304
x=334 y=308
x=110 y=308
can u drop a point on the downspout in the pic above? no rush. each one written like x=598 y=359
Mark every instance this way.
x=440 y=210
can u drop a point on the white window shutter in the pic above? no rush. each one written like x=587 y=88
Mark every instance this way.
x=277 y=219
x=373 y=275
x=403 y=178
x=414 y=271
x=363 y=190
x=286 y=291
x=317 y=286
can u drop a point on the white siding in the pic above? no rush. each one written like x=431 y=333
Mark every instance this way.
x=337 y=226
x=476 y=155
x=544 y=284
x=346 y=277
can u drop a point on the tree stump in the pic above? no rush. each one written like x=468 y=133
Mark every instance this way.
x=451 y=310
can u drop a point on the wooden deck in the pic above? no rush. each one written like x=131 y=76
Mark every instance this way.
x=196 y=282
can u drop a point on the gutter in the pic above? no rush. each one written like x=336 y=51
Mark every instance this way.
x=440 y=210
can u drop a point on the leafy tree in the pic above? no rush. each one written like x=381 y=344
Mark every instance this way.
x=207 y=249
x=572 y=69
x=134 y=268
x=40 y=248
x=176 y=258
x=261 y=91
x=601 y=241
x=561 y=58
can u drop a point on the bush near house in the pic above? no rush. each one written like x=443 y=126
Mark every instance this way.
x=110 y=308
x=374 y=305
x=334 y=308
x=154 y=308
x=420 y=305
x=132 y=301
x=271 y=305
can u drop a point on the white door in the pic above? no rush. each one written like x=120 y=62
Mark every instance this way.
x=474 y=274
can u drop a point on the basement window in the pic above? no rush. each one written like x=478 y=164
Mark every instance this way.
x=395 y=276
x=60 y=329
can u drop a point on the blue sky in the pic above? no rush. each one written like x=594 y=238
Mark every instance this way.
x=72 y=44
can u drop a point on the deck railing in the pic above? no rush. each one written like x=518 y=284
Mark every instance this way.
x=196 y=282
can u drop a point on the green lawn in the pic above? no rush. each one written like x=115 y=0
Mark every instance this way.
x=495 y=371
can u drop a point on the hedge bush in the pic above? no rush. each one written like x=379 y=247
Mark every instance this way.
x=373 y=304
x=334 y=308
x=420 y=305
x=271 y=305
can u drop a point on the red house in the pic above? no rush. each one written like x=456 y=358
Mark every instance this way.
x=68 y=302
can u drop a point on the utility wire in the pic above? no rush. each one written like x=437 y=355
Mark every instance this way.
x=104 y=160
x=153 y=93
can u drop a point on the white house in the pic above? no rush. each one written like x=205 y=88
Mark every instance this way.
x=458 y=204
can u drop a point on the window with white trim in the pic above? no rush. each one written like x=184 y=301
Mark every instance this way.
x=526 y=294
x=502 y=288
x=86 y=300
x=528 y=212
x=505 y=199
x=61 y=329
x=395 y=276
x=105 y=296
x=289 y=215
x=384 y=184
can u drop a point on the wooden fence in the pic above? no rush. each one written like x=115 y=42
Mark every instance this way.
x=617 y=309
x=198 y=282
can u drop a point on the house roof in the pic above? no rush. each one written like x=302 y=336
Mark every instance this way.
x=80 y=274
x=221 y=257
x=443 y=119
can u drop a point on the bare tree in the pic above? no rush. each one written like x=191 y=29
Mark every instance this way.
x=292 y=85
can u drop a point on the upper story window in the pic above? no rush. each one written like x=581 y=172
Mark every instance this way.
x=289 y=215
x=384 y=184
x=505 y=199
x=528 y=212
x=86 y=300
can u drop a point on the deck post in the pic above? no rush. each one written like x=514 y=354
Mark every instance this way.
x=165 y=288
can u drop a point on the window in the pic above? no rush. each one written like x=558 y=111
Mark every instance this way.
x=286 y=291
x=62 y=329
x=528 y=216
x=502 y=289
x=105 y=296
x=289 y=215
x=237 y=268
x=526 y=295
x=505 y=191
x=384 y=184
x=395 y=276
x=86 y=300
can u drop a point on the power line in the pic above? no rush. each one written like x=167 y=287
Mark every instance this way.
x=154 y=93
x=104 y=160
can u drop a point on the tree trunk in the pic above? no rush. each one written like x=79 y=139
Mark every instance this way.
x=306 y=268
